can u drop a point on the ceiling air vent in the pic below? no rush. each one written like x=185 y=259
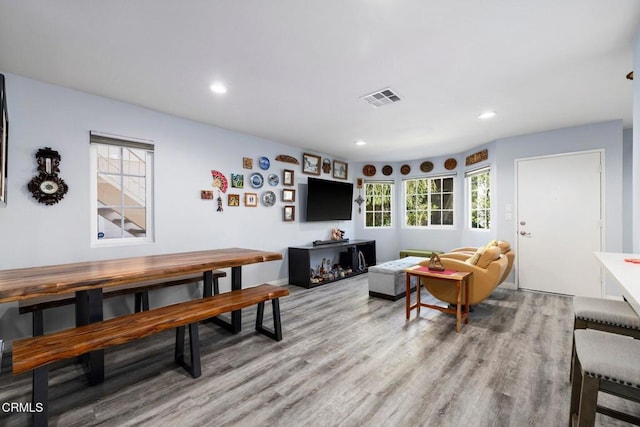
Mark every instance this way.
x=381 y=98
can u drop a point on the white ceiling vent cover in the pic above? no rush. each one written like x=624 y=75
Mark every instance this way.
x=381 y=98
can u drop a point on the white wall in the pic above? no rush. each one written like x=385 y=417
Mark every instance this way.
x=636 y=147
x=391 y=241
x=627 y=190
x=33 y=234
x=502 y=156
x=45 y=115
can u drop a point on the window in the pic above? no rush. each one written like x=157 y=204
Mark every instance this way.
x=378 y=202
x=122 y=186
x=429 y=202
x=479 y=189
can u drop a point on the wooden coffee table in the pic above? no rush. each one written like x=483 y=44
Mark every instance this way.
x=459 y=279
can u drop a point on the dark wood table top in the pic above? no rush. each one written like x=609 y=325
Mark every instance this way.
x=24 y=283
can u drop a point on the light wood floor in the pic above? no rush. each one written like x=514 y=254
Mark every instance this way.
x=346 y=359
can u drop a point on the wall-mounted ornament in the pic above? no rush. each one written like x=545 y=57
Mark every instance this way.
x=237 y=180
x=405 y=169
x=340 y=169
x=326 y=165
x=387 y=170
x=287 y=159
x=264 y=163
x=219 y=182
x=477 y=157
x=233 y=200
x=450 y=163
x=426 y=167
x=47 y=187
x=368 y=170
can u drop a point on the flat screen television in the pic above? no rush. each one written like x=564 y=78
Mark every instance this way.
x=329 y=200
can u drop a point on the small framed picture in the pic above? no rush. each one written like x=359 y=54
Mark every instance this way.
x=247 y=162
x=311 y=164
x=288 y=195
x=237 y=180
x=289 y=213
x=287 y=177
x=206 y=194
x=251 y=199
x=233 y=200
x=340 y=169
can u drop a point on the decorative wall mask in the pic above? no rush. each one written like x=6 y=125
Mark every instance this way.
x=47 y=187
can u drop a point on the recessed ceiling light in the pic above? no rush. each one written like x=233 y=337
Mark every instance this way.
x=487 y=115
x=218 y=88
x=361 y=142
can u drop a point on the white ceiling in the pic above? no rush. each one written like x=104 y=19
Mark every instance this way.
x=296 y=69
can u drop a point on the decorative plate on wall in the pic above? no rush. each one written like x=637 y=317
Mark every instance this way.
x=426 y=166
x=264 y=163
x=269 y=198
x=387 y=170
x=256 y=180
x=405 y=169
x=273 y=179
x=450 y=163
x=369 y=170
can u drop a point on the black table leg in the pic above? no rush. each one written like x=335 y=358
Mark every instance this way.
x=235 y=325
x=236 y=284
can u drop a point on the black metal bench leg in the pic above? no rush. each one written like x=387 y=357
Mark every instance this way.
x=194 y=368
x=142 y=301
x=40 y=396
x=276 y=333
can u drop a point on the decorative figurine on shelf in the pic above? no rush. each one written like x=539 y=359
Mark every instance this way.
x=47 y=187
x=337 y=234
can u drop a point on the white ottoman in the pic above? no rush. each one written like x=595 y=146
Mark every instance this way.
x=387 y=280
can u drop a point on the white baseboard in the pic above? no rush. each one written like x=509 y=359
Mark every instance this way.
x=508 y=285
x=279 y=282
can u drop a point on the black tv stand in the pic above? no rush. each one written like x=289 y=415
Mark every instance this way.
x=343 y=252
x=328 y=242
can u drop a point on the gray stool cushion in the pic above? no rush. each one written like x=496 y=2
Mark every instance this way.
x=608 y=356
x=616 y=313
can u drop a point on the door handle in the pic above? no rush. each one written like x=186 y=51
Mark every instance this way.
x=525 y=234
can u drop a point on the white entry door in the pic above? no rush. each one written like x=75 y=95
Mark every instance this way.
x=559 y=223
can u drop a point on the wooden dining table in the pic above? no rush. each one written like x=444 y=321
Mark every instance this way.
x=90 y=278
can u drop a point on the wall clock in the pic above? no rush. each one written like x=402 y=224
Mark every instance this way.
x=47 y=187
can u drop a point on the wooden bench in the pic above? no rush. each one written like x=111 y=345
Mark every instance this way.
x=141 y=291
x=36 y=353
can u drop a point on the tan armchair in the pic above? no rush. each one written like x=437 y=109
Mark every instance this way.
x=487 y=273
x=464 y=253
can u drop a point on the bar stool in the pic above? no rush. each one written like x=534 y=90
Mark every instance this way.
x=604 y=315
x=603 y=362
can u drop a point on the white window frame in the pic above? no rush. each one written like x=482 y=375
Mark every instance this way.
x=103 y=139
x=390 y=211
x=430 y=226
x=469 y=192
